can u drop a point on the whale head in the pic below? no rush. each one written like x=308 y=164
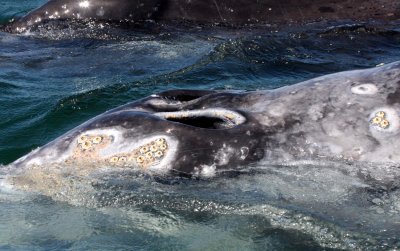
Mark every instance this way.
x=350 y=116
x=169 y=131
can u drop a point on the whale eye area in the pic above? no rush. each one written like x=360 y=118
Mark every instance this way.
x=217 y=118
x=88 y=151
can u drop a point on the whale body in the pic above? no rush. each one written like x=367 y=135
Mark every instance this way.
x=350 y=116
x=230 y=12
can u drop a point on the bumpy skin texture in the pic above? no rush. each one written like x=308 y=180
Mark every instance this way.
x=351 y=116
x=233 y=12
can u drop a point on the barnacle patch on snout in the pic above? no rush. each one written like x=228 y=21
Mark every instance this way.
x=112 y=149
x=385 y=119
x=143 y=156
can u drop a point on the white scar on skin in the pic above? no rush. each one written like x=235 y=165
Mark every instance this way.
x=365 y=89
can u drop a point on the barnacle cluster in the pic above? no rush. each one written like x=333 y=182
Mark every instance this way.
x=88 y=142
x=380 y=120
x=144 y=156
x=90 y=150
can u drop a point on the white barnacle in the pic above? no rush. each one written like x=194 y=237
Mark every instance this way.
x=159 y=154
x=385 y=119
x=82 y=139
x=153 y=148
x=364 y=89
x=144 y=149
x=114 y=159
x=86 y=145
x=140 y=159
x=97 y=140
x=160 y=141
x=149 y=155
x=384 y=124
x=380 y=114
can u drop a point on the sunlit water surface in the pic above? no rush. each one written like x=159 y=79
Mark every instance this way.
x=51 y=82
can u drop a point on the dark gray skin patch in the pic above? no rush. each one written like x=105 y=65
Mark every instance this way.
x=325 y=9
x=394 y=98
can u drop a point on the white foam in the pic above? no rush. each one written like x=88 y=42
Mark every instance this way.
x=5 y=185
x=8 y=191
x=208 y=171
x=205 y=171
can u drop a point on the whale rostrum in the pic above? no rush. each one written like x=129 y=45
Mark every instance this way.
x=350 y=116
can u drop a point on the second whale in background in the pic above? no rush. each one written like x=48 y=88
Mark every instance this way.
x=226 y=12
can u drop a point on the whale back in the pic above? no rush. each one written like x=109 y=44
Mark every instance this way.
x=226 y=12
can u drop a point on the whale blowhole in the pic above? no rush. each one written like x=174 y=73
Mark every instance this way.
x=216 y=118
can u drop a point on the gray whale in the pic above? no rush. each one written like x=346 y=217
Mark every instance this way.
x=231 y=12
x=350 y=116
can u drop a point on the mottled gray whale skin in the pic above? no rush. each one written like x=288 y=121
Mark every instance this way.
x=347 y=116
x=231 y=12
x=107 y=10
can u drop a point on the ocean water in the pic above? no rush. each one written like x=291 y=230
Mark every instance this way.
x=52 y=81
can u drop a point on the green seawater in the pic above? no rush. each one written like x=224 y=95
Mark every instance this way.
x=51 y=84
